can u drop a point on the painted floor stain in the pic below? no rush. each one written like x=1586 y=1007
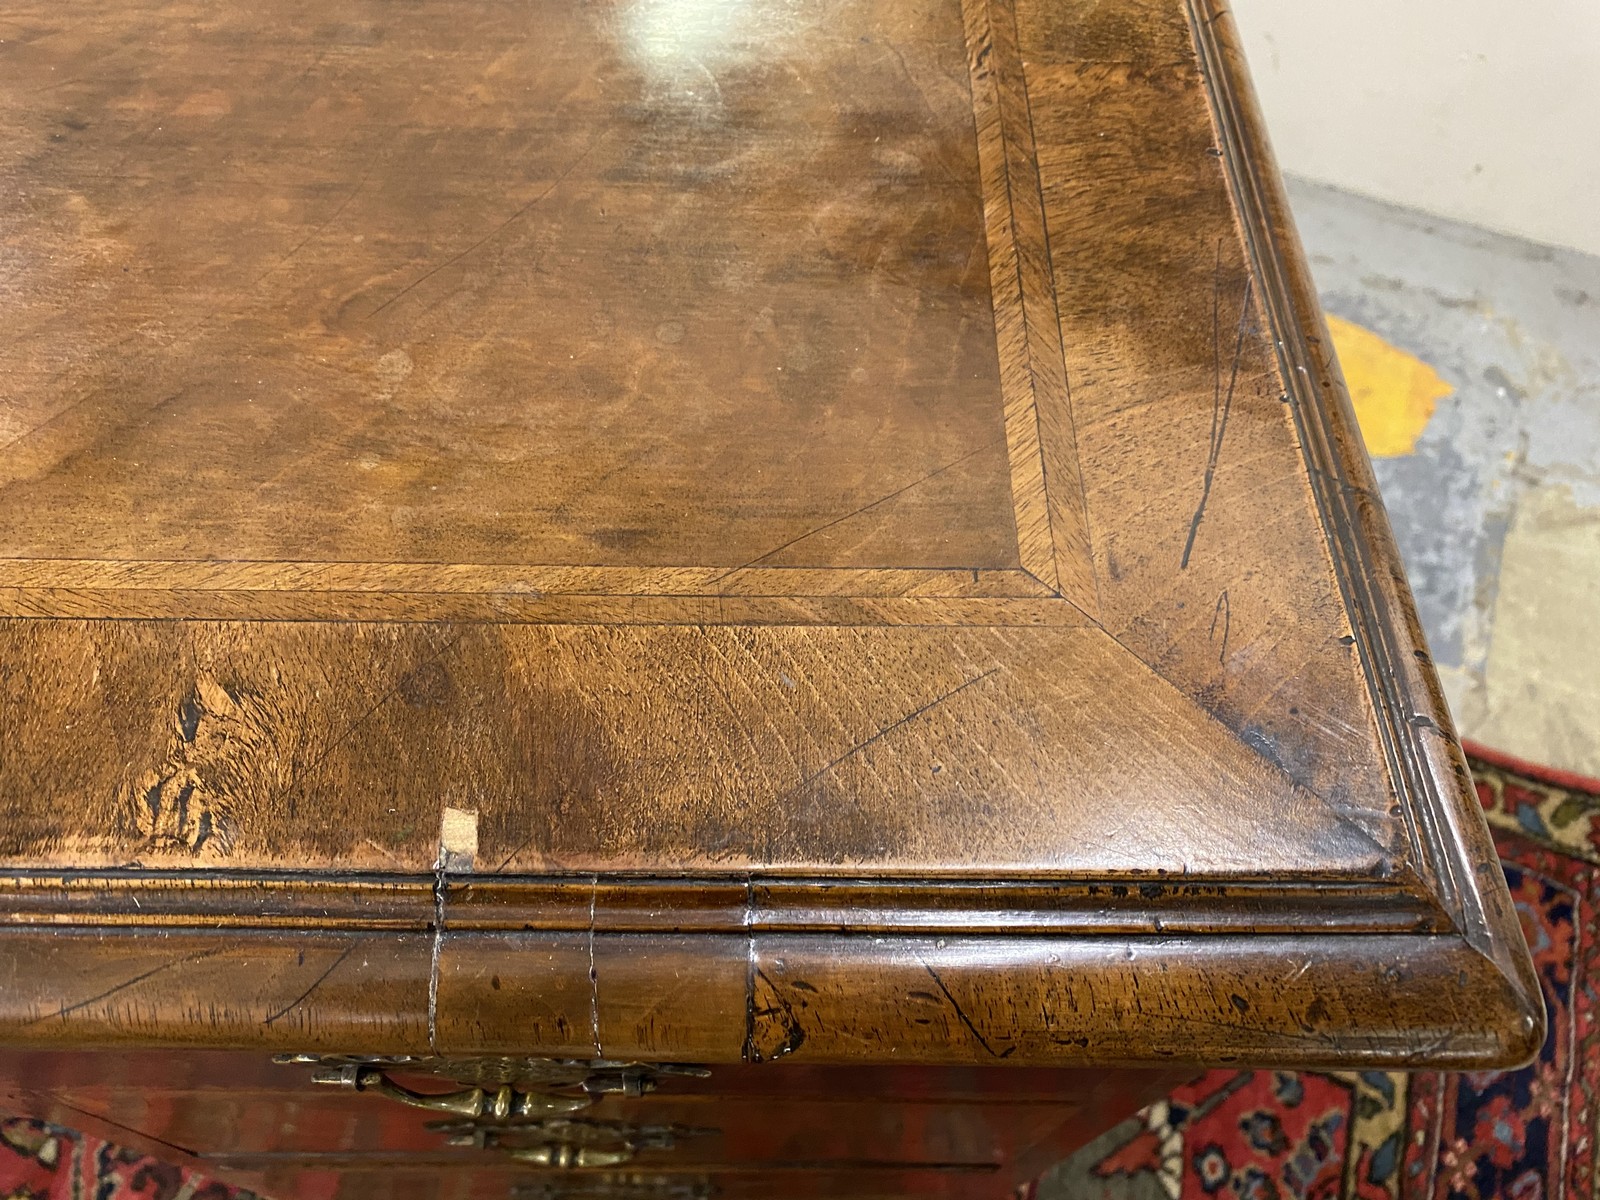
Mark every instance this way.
x=1394 y=393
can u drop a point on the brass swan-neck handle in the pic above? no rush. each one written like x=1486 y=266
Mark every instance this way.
x=504 y=1103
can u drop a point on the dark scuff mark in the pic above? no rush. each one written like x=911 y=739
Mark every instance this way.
x=1222 y=613
x=794 y=1033
x=189 y=717
x=427 y=685
x=1264 y=744
x=965 y=1020
x=1221 y=400
x=203 y=830
x=315 y=984
x=310 y=769
x=152 y=802
x=627 y=538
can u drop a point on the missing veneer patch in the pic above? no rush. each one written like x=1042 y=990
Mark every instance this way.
x=458 y=840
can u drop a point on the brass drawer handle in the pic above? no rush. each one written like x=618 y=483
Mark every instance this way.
x=504 y=1103
x=566 y=1141
x=561 y=1155
x=505 y=1091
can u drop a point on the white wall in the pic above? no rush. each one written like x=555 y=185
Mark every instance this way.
x=1487 y=111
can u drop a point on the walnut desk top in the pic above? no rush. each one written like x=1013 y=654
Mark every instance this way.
x=824 y=531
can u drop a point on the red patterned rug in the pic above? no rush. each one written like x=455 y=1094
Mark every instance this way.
x=41 y=1162
x=1251 y=1135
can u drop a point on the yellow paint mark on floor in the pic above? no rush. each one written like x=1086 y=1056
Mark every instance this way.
x=1394 y=393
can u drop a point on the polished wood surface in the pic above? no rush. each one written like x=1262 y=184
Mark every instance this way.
x=674 y=530
x=740 y=409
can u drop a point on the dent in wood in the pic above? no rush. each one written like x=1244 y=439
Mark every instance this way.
x=776 y=1028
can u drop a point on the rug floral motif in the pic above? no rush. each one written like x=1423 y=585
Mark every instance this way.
x=1244 y=1135
x=43 y=1162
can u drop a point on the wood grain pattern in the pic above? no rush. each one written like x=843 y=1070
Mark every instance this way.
x=793 y=536
x=471 y=328
x=1052 y=526
x=1180 y=409
x=566 y=742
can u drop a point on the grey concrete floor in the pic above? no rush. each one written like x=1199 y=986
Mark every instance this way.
x=1497 y=507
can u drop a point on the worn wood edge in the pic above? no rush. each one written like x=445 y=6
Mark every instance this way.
x=141 y=899
x=1342 y=1002
x=1425 y=760
x=1313 y=1001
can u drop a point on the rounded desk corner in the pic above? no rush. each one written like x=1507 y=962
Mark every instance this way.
x=1517 y=1019
x=1497 y=1021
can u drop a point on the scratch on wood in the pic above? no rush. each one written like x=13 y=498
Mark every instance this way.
x=68 y=1009
x=1221 y=400
x=937 y=471
x=355 y=190
x=315 y=984
x=886 y=730
x=1224 y=613
x=521 y=846
x=496 y=231
x=962 y=1014
x=386 y=852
